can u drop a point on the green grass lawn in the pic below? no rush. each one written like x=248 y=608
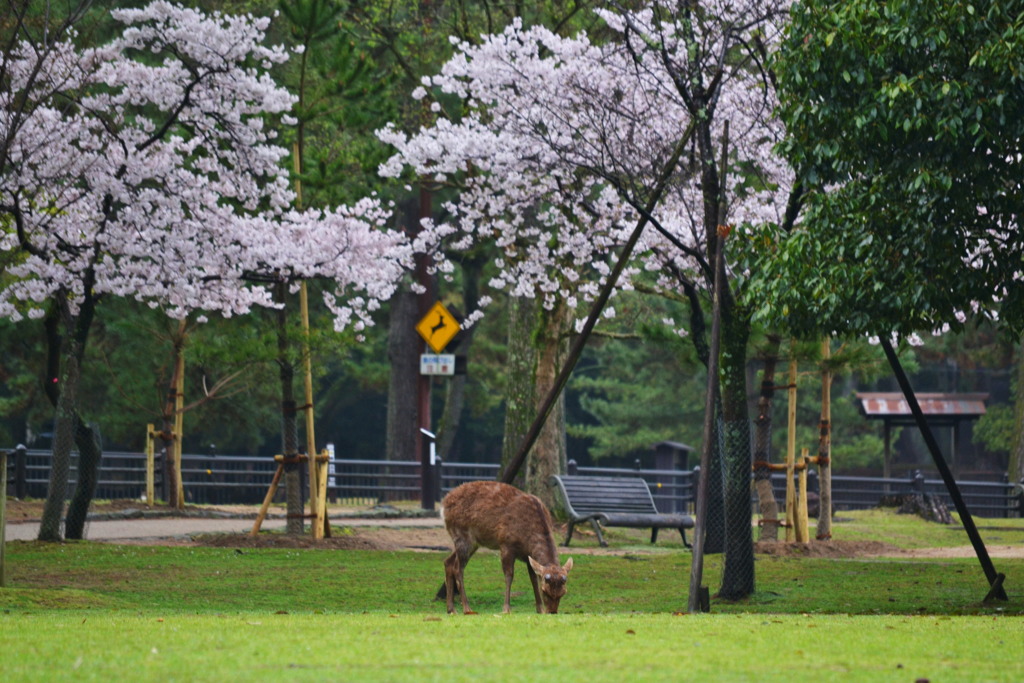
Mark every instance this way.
x=122 y=645
x=92 y=611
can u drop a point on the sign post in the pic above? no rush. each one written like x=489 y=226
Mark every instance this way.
x=438 y=327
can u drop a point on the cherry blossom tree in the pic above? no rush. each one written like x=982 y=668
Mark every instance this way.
x=565 y=144
x=147 y=168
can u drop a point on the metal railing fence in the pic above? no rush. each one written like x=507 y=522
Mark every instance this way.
x=225 y=479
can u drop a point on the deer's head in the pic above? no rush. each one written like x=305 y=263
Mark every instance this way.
x=552 y=582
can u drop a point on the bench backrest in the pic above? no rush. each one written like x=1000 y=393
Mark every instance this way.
x=588 y=495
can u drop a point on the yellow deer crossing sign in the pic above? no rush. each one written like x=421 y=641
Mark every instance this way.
x=438 y=327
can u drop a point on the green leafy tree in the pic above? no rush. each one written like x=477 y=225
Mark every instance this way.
x=903 y=120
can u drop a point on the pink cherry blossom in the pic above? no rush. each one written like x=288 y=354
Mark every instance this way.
x=560 y=140
x=148 y=168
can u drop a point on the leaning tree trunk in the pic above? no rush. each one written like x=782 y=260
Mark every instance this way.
x=767 y=504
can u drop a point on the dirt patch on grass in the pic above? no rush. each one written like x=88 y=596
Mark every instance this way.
x=363 y=538
x=437 y=540
x=832 y=548
x=855 y=549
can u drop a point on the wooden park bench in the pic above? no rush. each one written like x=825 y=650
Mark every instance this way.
x=615 y=501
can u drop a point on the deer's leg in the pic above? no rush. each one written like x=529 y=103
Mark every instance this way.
x=536 y=588
x=451 y=564
x=453 y=574
x=508 y=562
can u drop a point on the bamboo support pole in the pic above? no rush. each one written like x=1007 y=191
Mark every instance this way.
x=316 y=508
x=267 y=500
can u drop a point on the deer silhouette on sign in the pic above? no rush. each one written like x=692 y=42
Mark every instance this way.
x=441 y=324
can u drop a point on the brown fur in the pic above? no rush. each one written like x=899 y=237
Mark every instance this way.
x=499 y=516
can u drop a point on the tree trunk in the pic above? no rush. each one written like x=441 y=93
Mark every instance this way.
x=63 y=440
x=767 y=504
x=179 y=419
x=548 y=456
x=403 y=355
x=714 y=528
x=90 y=456
x=738 y=574
x=64 y=373
x=172 y=418
x=289 y=422
x=62 y=383
x=520 y=382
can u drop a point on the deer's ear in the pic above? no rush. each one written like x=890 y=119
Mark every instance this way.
x=567 y=566
x=538 y=568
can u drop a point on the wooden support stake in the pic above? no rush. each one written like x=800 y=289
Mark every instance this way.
x=803 y=534
x=266 y=501
x=317 y=528
x=321 y=520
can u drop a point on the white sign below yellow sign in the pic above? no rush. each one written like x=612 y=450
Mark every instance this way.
x=437 y=364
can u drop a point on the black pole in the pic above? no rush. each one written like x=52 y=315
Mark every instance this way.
x=995 y=579
x=698 y=600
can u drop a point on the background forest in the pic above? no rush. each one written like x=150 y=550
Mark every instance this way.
x=638 y=382
x=632 y=389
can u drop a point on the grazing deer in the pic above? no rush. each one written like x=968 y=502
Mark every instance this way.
x=499 y=516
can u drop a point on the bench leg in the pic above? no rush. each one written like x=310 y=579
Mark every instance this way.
x=654 y=534
x=682 y=532
x=568 y=536
x=600 y=536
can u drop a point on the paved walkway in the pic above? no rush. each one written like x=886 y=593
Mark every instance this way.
x=182 y=527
